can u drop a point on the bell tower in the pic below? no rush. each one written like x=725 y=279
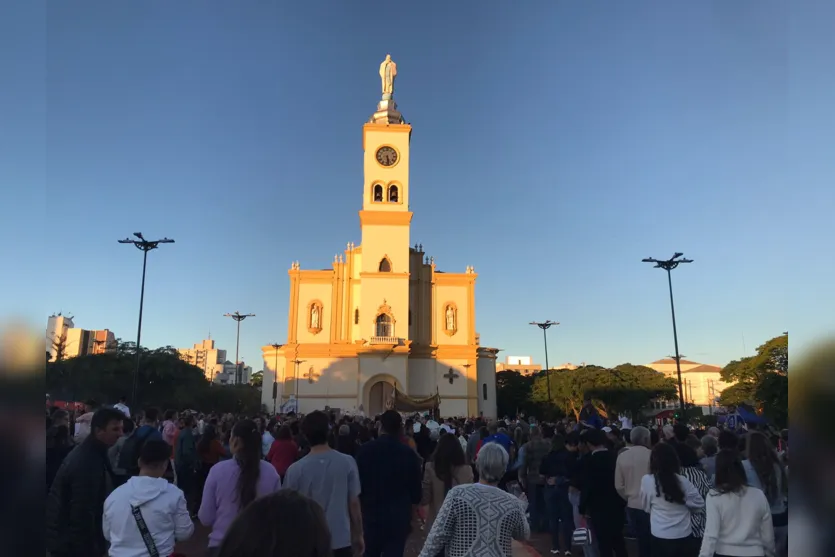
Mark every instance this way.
x=385 y=217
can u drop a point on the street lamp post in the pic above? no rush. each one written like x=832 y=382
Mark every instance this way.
x=146 y=246
x=238 y=317
x=545 y=325
x=668 y=265
x=297 y=362
x=276 y=346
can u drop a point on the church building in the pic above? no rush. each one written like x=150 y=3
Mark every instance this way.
x=383 y=327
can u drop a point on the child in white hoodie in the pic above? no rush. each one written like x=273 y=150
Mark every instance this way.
x=147 y=504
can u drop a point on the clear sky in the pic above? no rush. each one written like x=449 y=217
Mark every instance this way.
x=555 y=144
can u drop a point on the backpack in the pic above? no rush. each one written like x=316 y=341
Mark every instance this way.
x=129 y=457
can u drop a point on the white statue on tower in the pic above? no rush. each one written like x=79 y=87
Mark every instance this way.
x=388 y=71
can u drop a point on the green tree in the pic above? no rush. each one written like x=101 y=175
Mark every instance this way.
x=761 y=380
x=624 y=388
x=257 y=379
x=164 y=380
x=513 y=392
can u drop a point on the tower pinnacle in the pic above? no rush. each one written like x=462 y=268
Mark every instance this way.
x=387 y=112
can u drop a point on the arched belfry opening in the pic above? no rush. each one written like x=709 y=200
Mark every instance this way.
x=385 y=265
x=393 y=194
x=378 y=193
x=385 y=327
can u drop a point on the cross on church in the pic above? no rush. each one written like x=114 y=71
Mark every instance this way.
x=311 y=375
x=451 y=375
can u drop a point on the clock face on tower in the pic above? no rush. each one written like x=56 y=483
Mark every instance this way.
x=387 y=156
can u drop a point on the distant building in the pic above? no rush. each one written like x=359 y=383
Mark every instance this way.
x=525 y=365
x=521 y=364
x=702 y=382
x=72 y=342
x=207 y=357
x=102 y=341
x=227 y=377
x=56 y=334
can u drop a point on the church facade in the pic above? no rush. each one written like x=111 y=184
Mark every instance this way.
x=383 y=319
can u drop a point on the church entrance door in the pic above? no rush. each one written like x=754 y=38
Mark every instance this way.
x=380 y=396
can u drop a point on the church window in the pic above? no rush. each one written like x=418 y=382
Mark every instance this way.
x=384 y=326
x=410 y=318
x=393 y=194
x=385 y=265
x=484 y=391
x=357 y=316
x=378 y=193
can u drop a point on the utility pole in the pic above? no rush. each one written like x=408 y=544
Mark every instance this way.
x=297 y=362
x=145 y=245
x=668 y=265
x=238 y=317
x=545 y=325
x=275 y=347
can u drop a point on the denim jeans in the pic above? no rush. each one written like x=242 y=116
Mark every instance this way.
x=560 y=517
x=536 y=507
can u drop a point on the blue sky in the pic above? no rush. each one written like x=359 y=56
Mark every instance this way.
x=555 y=144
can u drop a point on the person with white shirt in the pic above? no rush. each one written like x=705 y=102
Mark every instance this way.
x=668 y=497
x=122 y=406
x=147 y=515
x=266 y=436
x=738 y=516
x=632 y=466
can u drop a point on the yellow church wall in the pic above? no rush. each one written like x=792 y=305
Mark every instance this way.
x=385 y=241
x=374 y=137
x=422 y=381
x=330 y=376
x=420 y=299
x=378 y=290
x=310 y=293
x=356 y=303
x=458 y=298
x=392 y=369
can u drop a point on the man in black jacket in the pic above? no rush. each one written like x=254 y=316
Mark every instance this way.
x=391 y=484
x=599 y=499
x=75 y=504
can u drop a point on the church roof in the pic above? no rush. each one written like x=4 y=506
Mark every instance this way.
x=704 y=368
x=673 y=360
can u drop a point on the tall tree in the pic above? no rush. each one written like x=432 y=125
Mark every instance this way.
x=513 y=392
x=164 y=380
x=761 y=380
x=59 y=347
x=624 y=388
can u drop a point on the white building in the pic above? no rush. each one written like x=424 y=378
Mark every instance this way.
x=56 y=333
x=228 y=376
x=207 y=357
x=73 y=342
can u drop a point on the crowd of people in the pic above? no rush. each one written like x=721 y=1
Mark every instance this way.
x=327 y=485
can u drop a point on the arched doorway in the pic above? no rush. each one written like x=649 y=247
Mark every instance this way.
x=379 y=397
